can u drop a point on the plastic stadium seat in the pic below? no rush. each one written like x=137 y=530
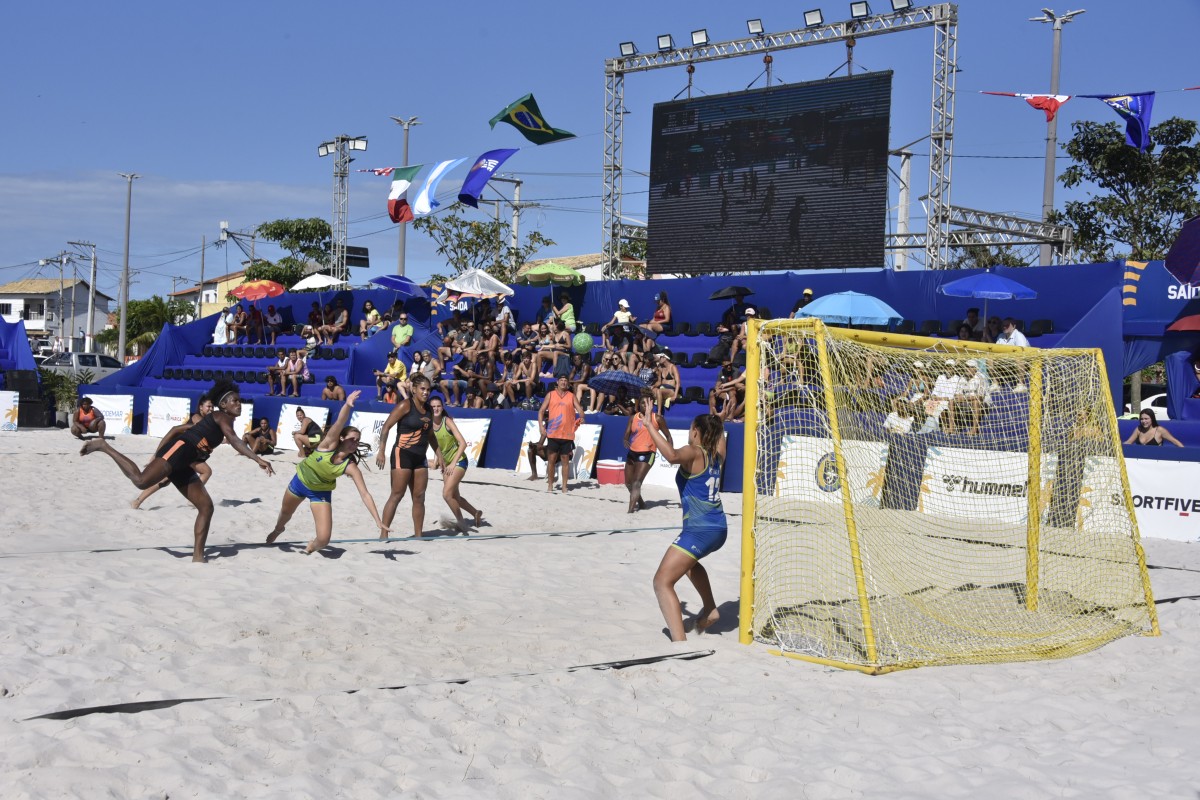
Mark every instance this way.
x=692 y=394
x=184 y=374
x=680 y=359
x=340 y=353
x=239 y=352
x=208 y=350
x=931 y=327
x=239 y=376
x=704 y=328
x=951 y=328
x=680 y=328
x=261 y=352
x=596 y=356
x=592 y=327
x=206 y=375
x=698 y=359
x=906 y=326
x=1041 y=326
x=763 y=312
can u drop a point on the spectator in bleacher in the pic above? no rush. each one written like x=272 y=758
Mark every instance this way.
x=341 y=320
x=976 y=394
x=580 y=373
x=496 y=395
x=661 y=321
x=326 y=330
x=1012 y=336
x=470 y=340
x=1149 y=432
x=992 y=331
x=617 y=334
x=527 y=337
x=721 y=351
x=545 y=313
x=402 y=332
x=667 y=384
x=455 y=387
x=948 y=385
x=591 y=400
x=505 y=322
x=428 y=365
x=237 y=328
x=900 y=420
x=296 y=372
x=276 y=371
x=450 y=325
x=221 y=331
x=274 y=324
x=729 y=391
x=545 y=351
x=392 y=375
x=311 y=339
x=805 y=298
x=87 y=419
x=566 y=314
x=307 y=435
x=740 y=331
x=255 y=329
x=371 y=320
x=478 y=380
x=315 y=320
x=920 y=384
x=261 y=440
x=643 y=365
x=332 y=390
x=490 y=347
x=964 y=332
x=391 y=395
x=976 y=323
x=524 y=377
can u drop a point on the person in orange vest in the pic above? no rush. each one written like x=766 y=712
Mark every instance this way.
x=640 y=448
x=560 y=414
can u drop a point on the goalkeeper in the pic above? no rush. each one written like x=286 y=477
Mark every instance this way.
x=704 y=525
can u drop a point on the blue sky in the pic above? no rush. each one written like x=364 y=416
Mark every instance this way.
x=220 y=107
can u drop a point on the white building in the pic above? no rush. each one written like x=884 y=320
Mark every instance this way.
x=36 y=302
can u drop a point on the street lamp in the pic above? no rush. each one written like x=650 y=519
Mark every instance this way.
x=129 y=178
x=407 y=123
x=340 y=146
x=1057 y=21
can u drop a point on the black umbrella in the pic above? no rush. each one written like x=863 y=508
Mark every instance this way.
x=611 y=382
x=730 y=291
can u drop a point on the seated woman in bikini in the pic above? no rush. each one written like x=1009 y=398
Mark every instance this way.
x=1149 y=432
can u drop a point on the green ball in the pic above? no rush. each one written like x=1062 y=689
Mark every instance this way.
x=582 y=343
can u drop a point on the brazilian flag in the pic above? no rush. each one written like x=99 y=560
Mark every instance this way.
x=526 y=117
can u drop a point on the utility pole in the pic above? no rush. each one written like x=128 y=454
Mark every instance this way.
x=62 y=263
x=200 y=294
x=129 y=177
x=407 y=123
x=1057 y=21
x=88 y=344
x=74 y=289
x=516 y=216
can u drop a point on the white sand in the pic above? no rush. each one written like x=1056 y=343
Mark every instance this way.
x=84 y=627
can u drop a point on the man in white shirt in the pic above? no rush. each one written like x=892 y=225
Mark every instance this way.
x=976 y=393
x=504 y=319
x=945 y=388
x=1012 y=336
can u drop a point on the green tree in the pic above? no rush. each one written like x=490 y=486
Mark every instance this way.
x=981 y=256
x=1137 y=200
x=478 y=244
x=306 y=240
x=144 y=320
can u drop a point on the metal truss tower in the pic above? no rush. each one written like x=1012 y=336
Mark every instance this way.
x=942 y=17
x=340 y=147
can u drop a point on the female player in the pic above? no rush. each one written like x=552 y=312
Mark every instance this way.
x=704 y=526
x=640 y=449
x=175 y=457
x=316 y=477
x=203 y=408
x=87 y=419
x=452 y=447
x=410 y=471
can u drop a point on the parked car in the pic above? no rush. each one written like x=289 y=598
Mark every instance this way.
x=1156 y=403
x=100 y=365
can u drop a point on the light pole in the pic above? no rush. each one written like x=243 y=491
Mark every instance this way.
x=407 y=123
x=129 y=178
x=1057 y=21
x=339 y=147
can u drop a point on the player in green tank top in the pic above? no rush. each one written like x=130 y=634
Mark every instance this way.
x=337 y=454
x=452 y=452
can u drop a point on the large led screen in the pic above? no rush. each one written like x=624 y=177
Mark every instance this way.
x=789 y=177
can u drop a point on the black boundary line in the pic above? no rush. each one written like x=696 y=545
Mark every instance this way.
x=155 y=705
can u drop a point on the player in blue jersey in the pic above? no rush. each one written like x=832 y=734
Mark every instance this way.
x=704 y=526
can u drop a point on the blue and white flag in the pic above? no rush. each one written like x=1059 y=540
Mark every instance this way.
x=485 y=166
x=425 y=204
x=1135 y=109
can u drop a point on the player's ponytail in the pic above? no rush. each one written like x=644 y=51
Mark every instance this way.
x=710 y=428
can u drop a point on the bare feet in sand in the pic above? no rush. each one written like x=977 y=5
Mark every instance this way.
x=273 y=535
x=91 y=446
x=707 y=618
x=534 y=478
x=478 y=518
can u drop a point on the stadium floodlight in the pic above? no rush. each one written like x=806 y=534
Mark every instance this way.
x=700 y=37
x=358 y=143
x=901 y=5
x=814 y=18
x=628 y=49
x=326 y=148
x=754 y=26
x=860 y=10
x=666 y=43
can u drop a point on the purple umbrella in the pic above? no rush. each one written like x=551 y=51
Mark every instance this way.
x=1183 y=259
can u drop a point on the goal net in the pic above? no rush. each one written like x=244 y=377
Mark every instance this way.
x=912 y=501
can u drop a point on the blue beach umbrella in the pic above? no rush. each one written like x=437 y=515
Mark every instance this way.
x=398 y=283
x=851 y=308
x=610 y=382
x=987 y=286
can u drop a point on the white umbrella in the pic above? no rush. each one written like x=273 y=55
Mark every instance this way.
x=474 y=283
x=317 y=281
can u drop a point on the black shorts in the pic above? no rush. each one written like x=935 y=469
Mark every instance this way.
x=180 y=455
x=408 y=459
x=562 y=447
x=640 y=458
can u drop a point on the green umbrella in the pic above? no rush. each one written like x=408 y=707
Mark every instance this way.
x=551 y=273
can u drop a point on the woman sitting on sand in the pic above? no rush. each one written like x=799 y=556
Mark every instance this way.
x=453 y=448
x=203 y=409
x=174 y=459
x=704 y=525
x=337 y=454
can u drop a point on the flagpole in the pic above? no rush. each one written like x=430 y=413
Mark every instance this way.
x=407 y=123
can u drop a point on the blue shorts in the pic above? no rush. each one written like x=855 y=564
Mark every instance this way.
x=698 y=543
x=298 y=488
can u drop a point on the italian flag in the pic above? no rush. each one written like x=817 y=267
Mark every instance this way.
x=402 y=178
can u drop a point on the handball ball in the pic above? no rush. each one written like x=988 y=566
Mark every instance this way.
x=582 y=343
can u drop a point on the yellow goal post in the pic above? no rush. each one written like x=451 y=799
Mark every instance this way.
x=910 y=501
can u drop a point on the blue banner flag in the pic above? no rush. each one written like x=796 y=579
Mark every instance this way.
x=1135 y=109
x=481 y=172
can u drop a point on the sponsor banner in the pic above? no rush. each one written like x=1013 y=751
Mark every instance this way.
x=8 y=410
x=370 y=423
x=165 y=413
x=976 y=484
x=807 y=470
x=1166 y=498
x=245 y=421
x=662 y=472
x=288 y=424
x=117 y=410
x=475 y=432
x=583 y=459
